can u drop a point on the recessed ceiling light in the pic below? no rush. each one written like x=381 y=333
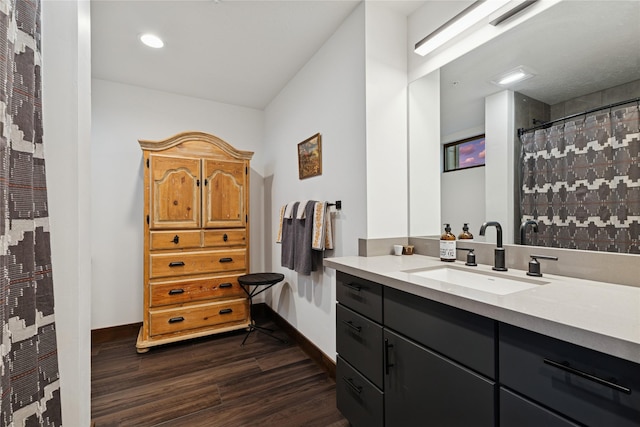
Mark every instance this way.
x=152 y=41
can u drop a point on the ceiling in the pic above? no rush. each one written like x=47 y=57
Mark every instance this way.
x=239 y=52
x=574 y=48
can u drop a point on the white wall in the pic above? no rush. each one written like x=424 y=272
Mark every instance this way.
x=386 y=121
x=122 y=114
x=499 y=136
x=326 y=96
x=66 y=46
x=424 y=156
x=463 y=199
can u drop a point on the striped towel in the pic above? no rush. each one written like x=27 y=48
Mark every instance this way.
x=322 y=234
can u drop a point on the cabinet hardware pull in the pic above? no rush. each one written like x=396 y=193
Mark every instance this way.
x=352 y=326
x=176 y=319
x=176 y=291
x=354 y=287
x=226 y=259
x=225 y=285
x=176 y=264
x=225 y=237
x=176 y=239
x=349 y=381
x=564 y=366
x=387 y=365
x=225 y=311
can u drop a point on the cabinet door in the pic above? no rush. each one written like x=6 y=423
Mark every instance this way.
x=175 y=192
x=424 y=389
x=224 y=194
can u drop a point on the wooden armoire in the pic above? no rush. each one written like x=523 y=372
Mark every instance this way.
x=196 y=238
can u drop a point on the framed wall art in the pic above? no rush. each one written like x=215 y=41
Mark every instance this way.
x=310 y=157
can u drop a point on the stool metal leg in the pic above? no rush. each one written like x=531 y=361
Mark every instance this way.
x=253 y=327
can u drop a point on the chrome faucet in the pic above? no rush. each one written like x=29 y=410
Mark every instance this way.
x=523 y=229
x=499 y=258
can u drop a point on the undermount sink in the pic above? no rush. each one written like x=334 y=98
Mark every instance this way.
x=494 y=283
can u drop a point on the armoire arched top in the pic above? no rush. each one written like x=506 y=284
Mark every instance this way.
x=197 y=141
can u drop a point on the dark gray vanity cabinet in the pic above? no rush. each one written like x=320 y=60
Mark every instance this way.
x=516 y=411
x=359 y=367
x=592 y=388
x=422 y=388
x=439 y=364
x=406 y=361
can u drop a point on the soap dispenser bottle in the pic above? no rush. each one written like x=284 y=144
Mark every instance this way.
x=465 y=235
x=447 y=245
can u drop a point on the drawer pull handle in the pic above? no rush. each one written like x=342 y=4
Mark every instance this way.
x=354 y=287
x=176 y=319
x=387 y=365
x=225 y=237
x=176 y=239
x=225 y=311
x=225 y=285
x=176 y=264
x=564 y=366
x=176 y=291
x=226 y=259
x=352 y=326
x=349 y=381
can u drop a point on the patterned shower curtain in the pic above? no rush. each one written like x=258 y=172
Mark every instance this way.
x=581 y=181
x=29 y=379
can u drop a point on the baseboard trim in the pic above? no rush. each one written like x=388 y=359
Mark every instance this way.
x=307 y=346
x=114 y=333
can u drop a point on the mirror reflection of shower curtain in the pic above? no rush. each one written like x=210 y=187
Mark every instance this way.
x=580 y=179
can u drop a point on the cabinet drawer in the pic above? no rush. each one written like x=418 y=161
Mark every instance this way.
x=465 y=337
x=360 y=295
x=359 y=341
x=225 y=238
x=358 y=399
x=198 y=316
x=182 y=291
x=175 y=239
x=202 y=262
x=518 y=412
x=552 y=372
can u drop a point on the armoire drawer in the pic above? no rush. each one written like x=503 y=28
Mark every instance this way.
x=359 y=341
x=177 y=239
x=361 y=402
x=198 y=316
x=201 y=262
x=183 y=291
x=465 y=337
x=360 y=295
x=590 y=387
x=224 y=238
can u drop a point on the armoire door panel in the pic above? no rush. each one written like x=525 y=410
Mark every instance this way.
x=175 y=192
x=224 y=194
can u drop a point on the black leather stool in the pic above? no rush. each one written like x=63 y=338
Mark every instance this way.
x=254 y=284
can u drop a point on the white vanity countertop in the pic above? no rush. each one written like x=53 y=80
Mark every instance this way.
x=601 y=316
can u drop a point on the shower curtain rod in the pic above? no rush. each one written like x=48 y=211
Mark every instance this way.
x=522 y=131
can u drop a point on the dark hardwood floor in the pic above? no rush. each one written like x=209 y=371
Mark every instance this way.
x=211 y=382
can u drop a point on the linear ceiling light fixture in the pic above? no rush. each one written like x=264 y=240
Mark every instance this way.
x=152 y=40
x=459 y=23
x=511 y=13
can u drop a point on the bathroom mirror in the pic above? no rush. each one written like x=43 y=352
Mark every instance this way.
x=573 y=49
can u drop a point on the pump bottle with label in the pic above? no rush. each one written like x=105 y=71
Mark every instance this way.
x=447 y=245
